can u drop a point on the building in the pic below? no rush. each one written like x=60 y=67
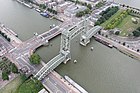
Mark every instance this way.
x=51 y=4
x=104 y=8
x=40 y=1
x=63 y=6
x=71 y=10
x=59 y=1
x=47 y=1
x=43 y=1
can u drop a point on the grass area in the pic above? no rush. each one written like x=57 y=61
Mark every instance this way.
x=22 y=85
x=127 y=26
x=7 y=67
x=112 y=17
x=5 y=64
x=30 y=86
x=12 y=86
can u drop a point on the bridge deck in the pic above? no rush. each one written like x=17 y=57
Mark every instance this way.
x=53 y=63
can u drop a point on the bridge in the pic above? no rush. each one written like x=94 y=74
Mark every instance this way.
x=85 y=37
x=68 y=30
x=66 y=36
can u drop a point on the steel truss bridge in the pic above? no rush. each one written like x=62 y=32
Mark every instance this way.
x=67 y=34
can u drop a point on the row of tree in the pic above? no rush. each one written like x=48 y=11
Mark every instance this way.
x=42 y=6
x=5 y=36
x=117 y=20
x=83 y=13
x=7 y=67
x=52 y=11
x=105 y=15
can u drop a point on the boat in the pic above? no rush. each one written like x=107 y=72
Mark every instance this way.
x=19 y=1
x=104 y=42
x=51 y=17
x=52 y=26
x=75 y=61
x=38 y=10
x=82 y=90
x=28 y=5
x=92 y=48
x=44 y=14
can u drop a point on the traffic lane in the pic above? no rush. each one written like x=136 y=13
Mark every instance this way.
x=60 y=83
x=5 y=43
x=53 y=86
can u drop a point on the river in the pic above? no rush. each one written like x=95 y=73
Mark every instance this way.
x=102 y=70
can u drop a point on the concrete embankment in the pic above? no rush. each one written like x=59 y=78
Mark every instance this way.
x=25 y=4
x=11 y=34
x=121 y=48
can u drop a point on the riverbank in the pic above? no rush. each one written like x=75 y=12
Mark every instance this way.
x=25 y=4
x=131 y=53
x=104 y=70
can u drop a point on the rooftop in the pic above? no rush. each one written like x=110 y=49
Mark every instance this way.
x=75 y=8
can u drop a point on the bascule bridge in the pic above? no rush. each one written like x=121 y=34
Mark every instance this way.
x=67 y=34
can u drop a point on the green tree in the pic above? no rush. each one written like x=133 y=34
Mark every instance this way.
x=87 y=11
x=117 y=33
x=43 y=6
x=5 y=75
x=76 y=2
x=89 y=6
x=35 y=59
x=136 y=33
x=14 y=69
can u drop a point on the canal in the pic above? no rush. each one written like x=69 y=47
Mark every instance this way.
x=102 y=70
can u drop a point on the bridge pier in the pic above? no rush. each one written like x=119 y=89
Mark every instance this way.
x=84 y=40
x=67 y=56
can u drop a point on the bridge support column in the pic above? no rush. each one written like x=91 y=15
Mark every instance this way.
x=67 y=56
x=84 y=40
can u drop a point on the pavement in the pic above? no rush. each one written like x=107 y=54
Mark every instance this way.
x=5 y=46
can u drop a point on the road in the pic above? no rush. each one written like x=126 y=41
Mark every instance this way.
x=5 y=46
x=57 y=84
x=19 y=55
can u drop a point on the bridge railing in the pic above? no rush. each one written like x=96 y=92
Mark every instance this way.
x=53 y=63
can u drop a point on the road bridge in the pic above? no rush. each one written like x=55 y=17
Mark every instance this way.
x=66 y=36
x=51 y=65
x=20 y=56
x=68 y=30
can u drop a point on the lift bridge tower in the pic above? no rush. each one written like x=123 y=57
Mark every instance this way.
x=68 y=34
x=64 y=55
